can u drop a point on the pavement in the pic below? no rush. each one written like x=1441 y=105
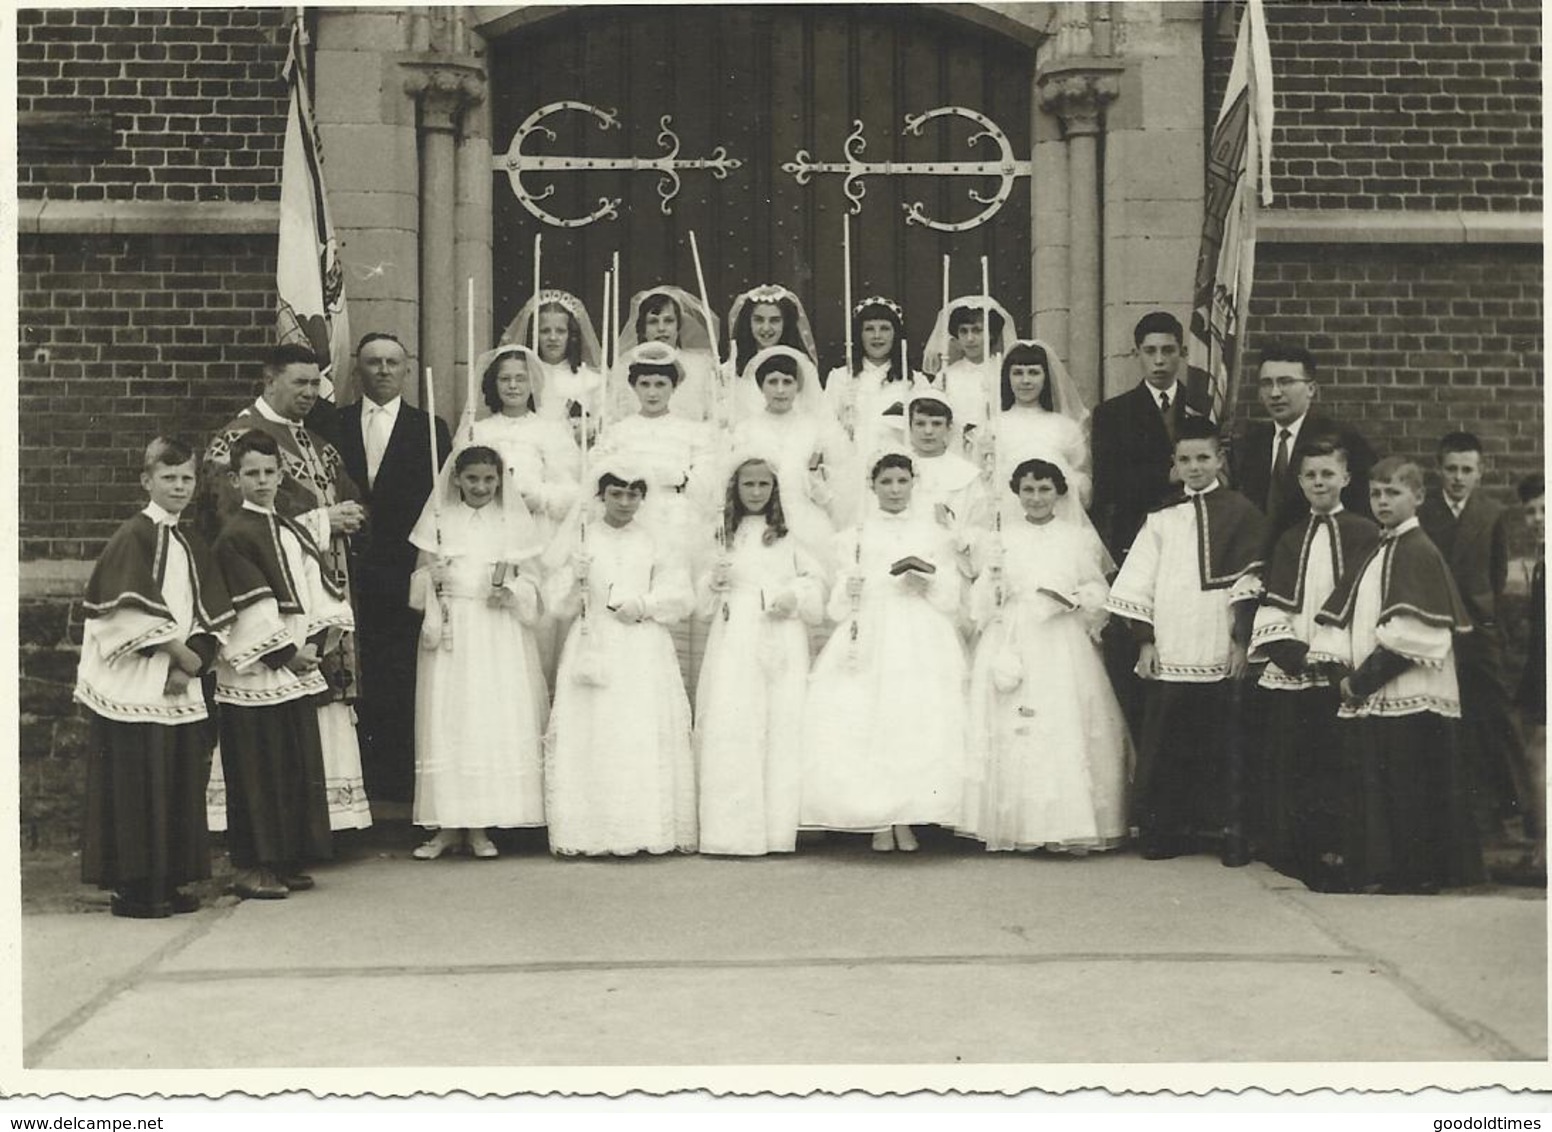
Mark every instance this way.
x=836 y=955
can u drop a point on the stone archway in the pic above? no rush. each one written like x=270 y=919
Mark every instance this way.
x=1116 y=134
x=766 y=82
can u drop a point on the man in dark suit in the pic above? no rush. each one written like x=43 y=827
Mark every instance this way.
x=1133 y=434
x=1469 y=530
x=1266 y=455
x=387 y=451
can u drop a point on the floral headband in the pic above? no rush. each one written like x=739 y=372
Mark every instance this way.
x=879 y=301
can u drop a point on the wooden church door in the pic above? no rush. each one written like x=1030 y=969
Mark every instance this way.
x=764 y=82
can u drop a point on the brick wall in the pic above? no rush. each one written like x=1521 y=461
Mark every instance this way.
x=1415 y=342
x=196 y=98
x=143 y=334
x=1381 y=104
x=52 y=738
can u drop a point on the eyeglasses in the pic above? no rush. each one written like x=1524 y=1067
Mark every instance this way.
x=1281 y=384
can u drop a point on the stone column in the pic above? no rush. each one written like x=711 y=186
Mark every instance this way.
x=1076 y=90
x=1153 y=165
x=367 y=125
x=1050 y=247
x=444 y=86
x=475 y=210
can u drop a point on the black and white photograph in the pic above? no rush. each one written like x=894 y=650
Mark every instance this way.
x=779 y=547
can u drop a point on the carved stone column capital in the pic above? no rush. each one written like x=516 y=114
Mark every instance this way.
x=445 y=86
x=1077 y=92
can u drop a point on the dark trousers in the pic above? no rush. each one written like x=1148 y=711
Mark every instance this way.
x=388 y=634
x=1490 y=742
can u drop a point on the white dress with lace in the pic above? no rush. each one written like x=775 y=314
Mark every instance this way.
x=480 y=704
x=749 y=707
x=1047 y=742
x=883 y=737
x=619 y=775
x=1034 y=433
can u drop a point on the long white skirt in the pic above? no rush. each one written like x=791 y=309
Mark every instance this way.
x=749 y=731
x=479 y=719
x=1047 y=759
x=619 y=776
x=883 y=738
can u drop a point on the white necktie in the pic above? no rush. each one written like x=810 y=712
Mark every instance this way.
x=376 y=441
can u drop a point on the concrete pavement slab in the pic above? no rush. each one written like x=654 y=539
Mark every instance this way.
x=1454 y=953
x=69 y=959
x=879 y=1011
x=833 y=904
x=836 y=955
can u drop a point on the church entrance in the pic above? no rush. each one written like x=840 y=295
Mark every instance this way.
x=764 y=83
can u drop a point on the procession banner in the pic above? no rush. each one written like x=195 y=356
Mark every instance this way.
x=1238 y=164
x=309 y=279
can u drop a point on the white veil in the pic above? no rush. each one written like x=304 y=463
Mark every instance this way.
x=517 y=538
x=815 y=538
x=479 y=409
x=747 y=399
x=621 y=398
x=1069 y=508
x=1065 y=398
x=697 y=395
x=768 y=293
x=943 y=349
x=697 y=326
x=520 y=329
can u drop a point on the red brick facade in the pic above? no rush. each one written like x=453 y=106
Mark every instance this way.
x=196 y=99
x=1421 y=104
x=1415 y=342
x=143 y=334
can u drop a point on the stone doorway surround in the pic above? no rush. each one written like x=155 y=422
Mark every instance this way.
x=1115 y=199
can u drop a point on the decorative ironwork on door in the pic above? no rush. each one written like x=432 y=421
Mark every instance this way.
x=1006 y=168
x=516 y=163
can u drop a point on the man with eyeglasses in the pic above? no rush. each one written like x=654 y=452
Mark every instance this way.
x=1266 y=456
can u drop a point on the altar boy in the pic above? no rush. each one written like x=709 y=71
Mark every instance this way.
x=155 y=610
x=1188 y=590
x=1387 y=637
x=290 y=613
x=1303 y=781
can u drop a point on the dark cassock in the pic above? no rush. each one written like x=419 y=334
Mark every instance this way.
x=314 y=479
x=1475 y=544
x=271 y=735
x=1188 y=588
x=1391 y=623
x=1302 y=775
x=148 y=750
x=395 y=491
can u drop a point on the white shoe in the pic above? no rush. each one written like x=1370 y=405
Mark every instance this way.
x=441 y=842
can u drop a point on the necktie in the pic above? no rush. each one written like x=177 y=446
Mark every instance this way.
x=1164 y=403
x=376 y=441
x=1280 y=461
